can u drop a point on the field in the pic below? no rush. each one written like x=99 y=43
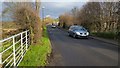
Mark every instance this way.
x=9 y=29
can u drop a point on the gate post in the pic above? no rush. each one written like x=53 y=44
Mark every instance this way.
x=0 y=60
x=26 y=41
x=14 y=51
x=22 y=44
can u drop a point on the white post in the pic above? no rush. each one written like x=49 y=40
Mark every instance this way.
x=28 y=38
x=0 y=55
x=14 y=51
x=22 y=45
x=26 y=41
x=0 y=60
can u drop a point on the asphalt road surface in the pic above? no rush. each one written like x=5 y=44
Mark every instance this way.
x=68 y=51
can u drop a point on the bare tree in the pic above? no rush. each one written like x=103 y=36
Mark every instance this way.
x=74 y=13
x=89 y=16
x=99 y=16
x=48 y=20
x=66 y=20
x=108 y=16
x=96 y=16
x=26 y=14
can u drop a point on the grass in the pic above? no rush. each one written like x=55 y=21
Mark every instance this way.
x=107 y=35
x=37 y=54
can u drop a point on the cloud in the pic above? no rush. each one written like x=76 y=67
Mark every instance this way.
x=48 y=16
x=60 y=0
x=0 y=7
x=63 y=4
x=80 y=0
x=64 y=0
x=1 y=0
x=54 y=9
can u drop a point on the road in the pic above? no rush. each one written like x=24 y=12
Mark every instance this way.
x=68 y=51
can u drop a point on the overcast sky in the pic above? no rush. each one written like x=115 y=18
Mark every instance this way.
x=54 y=9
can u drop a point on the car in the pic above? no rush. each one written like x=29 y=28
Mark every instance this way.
x=78 y=32
x=53 y=26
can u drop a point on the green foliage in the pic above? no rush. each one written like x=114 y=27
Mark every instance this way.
x=37 y=54
x=56 y=20
x=107 y=35
x=48 y=20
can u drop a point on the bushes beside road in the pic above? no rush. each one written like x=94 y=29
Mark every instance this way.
x=107 y=35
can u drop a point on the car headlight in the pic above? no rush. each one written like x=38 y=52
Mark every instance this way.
x=77 y=33
x=87 y=33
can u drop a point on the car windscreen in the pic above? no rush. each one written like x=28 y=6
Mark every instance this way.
x=80 y=29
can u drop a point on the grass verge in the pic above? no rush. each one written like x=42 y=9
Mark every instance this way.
x=37 y=54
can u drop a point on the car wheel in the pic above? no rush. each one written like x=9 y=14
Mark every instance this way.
x=69 y=34
x=74 y=35
x=87 y=37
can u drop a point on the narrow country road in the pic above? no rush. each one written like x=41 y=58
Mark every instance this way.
x=68 y=51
